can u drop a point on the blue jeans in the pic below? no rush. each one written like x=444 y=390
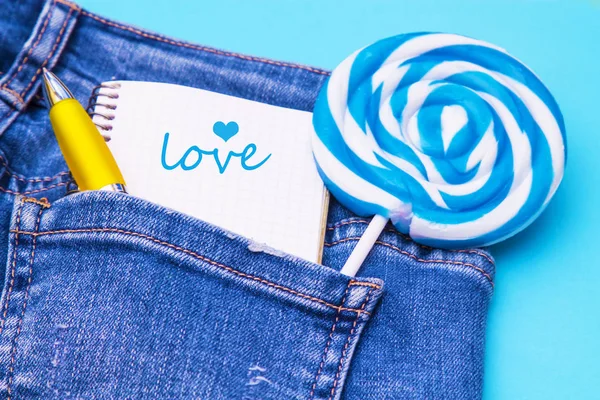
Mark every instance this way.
x=109 y=296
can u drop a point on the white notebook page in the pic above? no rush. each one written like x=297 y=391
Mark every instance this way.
x=269 y=190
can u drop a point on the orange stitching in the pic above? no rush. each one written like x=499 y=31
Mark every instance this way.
x=11 y=369
x=202 y=48
x=362 y=221
x=17 y=95
x=489 y=278
x=343 y=223
x=56 y=43
x=44 y=202
x=69 y=4
x=12 y=269
x=476 y=252
x=367 y=284
x=329 y=340
x=26 y=58
x=344 y=351
x=33 y=191
x=197 y=256
x=410 y=239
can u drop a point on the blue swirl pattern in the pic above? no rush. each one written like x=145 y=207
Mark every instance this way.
x=453 y=139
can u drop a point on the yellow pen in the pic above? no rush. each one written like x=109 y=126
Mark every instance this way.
x=86 y=153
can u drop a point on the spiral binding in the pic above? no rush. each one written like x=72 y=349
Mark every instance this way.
x=102 y=98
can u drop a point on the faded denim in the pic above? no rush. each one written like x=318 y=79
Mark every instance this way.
x=109 y=296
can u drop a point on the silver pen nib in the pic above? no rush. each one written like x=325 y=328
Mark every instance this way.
x=54 y=89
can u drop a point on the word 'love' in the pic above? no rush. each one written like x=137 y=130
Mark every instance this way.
x=197 y=154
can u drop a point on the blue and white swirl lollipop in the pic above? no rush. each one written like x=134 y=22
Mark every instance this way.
x=455 y=141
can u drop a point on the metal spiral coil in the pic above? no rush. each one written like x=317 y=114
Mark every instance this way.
x=103 y=99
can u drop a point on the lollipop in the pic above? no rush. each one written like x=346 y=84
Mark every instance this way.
x=455 y=141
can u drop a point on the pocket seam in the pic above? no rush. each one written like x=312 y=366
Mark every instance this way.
x=416 y=258
x=12 y=269
x=366 y=222
x=209 y=261
x=327 y=345
x=13 y=351
x=345 y=350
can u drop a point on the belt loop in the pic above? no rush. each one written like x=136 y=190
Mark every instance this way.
x=42 y=50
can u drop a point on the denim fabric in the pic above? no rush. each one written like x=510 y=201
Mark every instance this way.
x=109 y=296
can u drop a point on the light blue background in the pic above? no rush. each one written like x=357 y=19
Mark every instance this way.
x=544 y=324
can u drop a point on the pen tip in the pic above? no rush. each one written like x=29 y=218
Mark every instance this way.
x=54 y=89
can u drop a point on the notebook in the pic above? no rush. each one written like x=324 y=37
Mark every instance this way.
x=242 y=165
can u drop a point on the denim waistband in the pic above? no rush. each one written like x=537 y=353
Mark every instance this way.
x=85 y=50
x=56 y=23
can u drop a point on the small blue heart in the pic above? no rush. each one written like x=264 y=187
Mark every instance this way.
x=226 y=132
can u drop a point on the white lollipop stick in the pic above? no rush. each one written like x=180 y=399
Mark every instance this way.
x=364 y=246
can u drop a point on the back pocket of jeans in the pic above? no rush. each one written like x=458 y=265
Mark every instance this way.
x=111 y=296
